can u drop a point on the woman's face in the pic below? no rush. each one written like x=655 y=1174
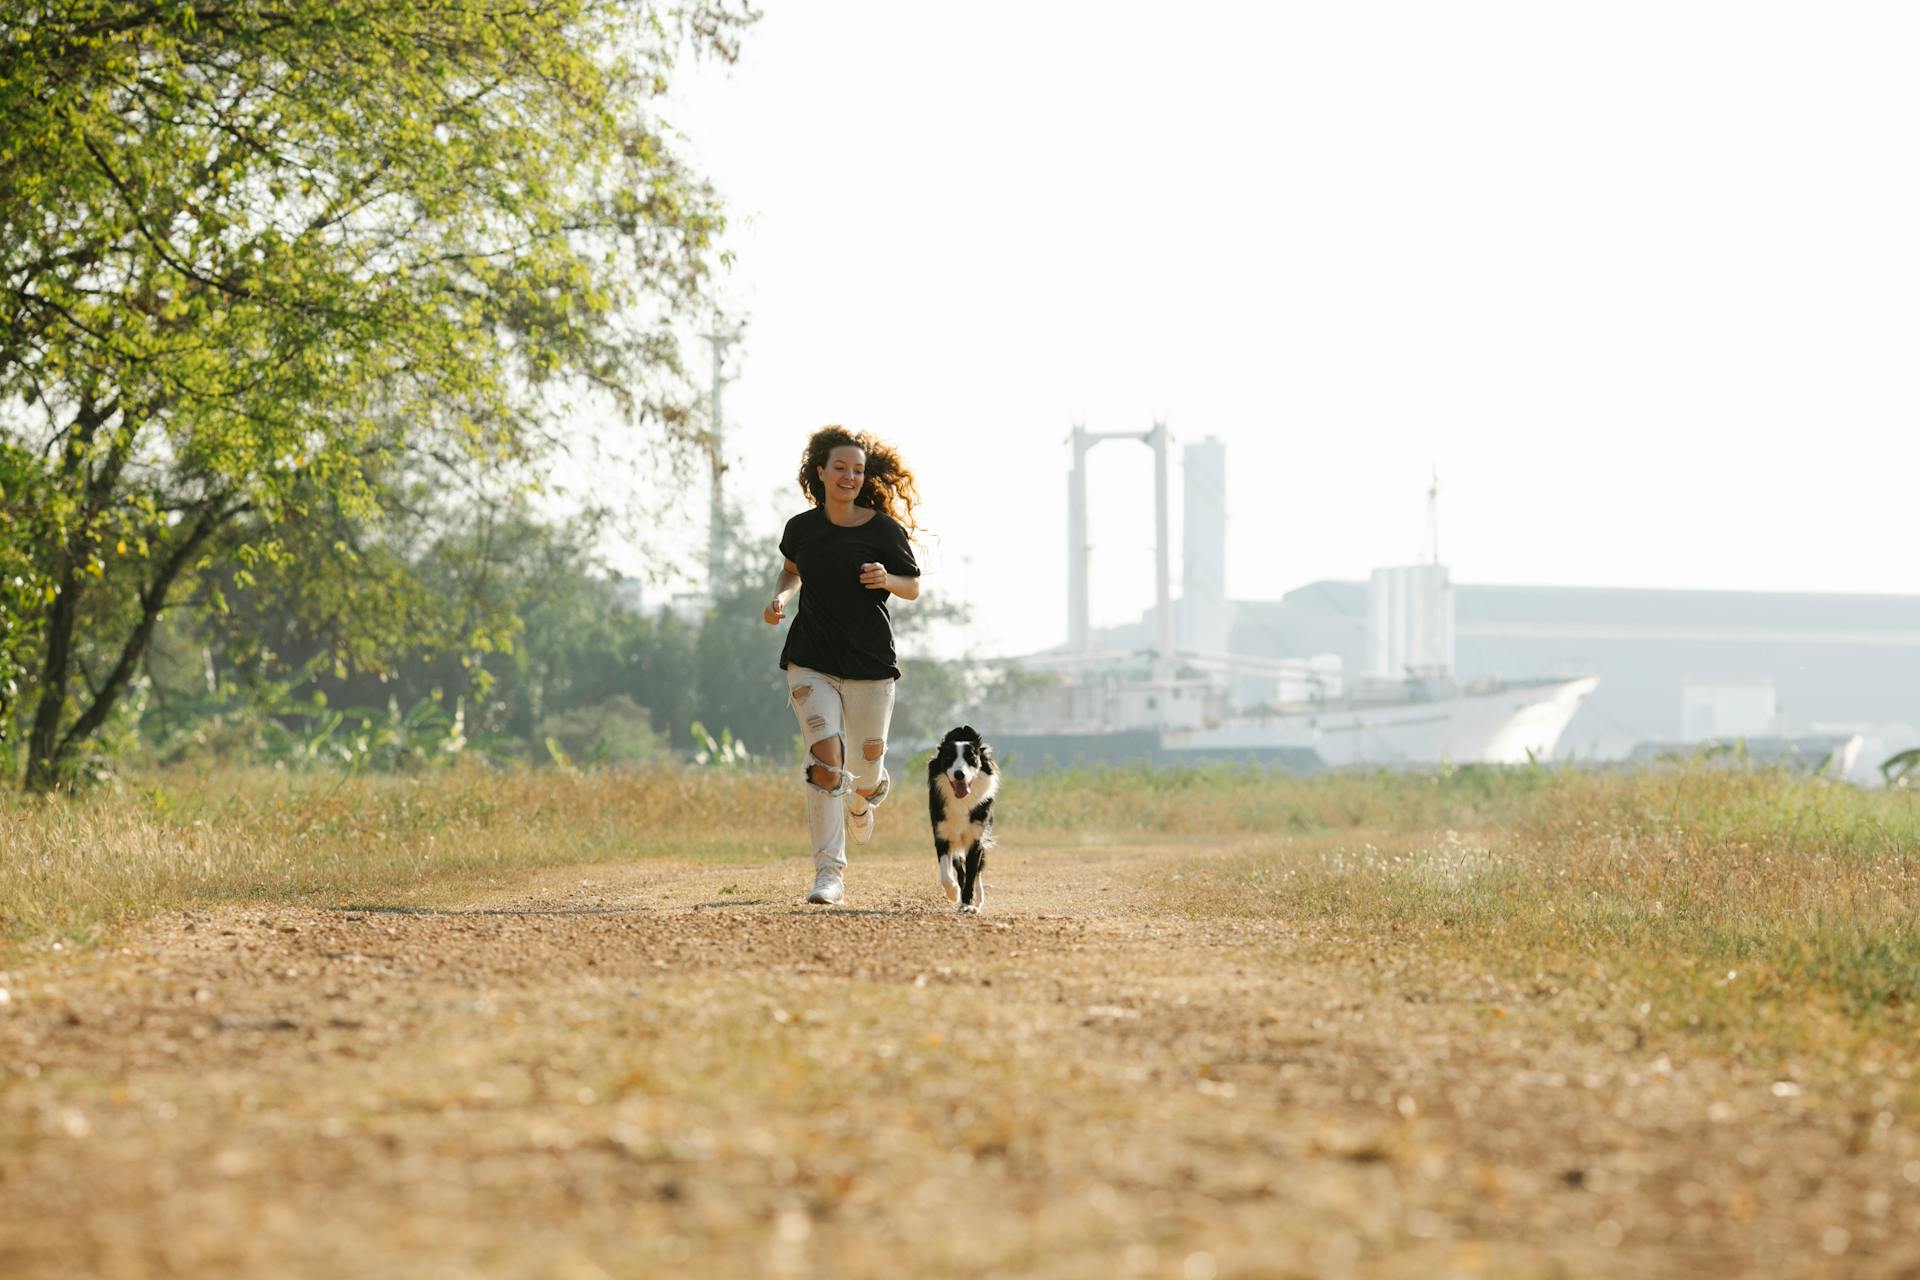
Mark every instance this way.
x=845 y=472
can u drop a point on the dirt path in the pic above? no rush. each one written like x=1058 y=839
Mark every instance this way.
x=677 y=1068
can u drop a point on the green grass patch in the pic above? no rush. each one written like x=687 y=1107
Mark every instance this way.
x=1775 y=912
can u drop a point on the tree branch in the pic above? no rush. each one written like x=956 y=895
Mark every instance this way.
x=165 y=251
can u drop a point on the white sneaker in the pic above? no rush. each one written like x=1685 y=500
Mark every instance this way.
x=829 y=887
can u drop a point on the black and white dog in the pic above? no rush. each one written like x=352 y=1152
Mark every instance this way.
x=961 y=782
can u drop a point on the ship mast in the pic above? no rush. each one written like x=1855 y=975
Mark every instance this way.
x=1430 y=553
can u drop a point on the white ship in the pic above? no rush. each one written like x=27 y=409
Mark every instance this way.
x=1113 y=710
x=1194 y=701
x=1498 y=722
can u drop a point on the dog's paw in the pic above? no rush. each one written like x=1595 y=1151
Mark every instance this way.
x=969 y=909
x=953 y=892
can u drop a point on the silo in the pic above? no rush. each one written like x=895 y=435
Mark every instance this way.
x=1410 y=621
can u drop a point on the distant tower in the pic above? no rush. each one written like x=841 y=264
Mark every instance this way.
x=1203 y=548
x=1079 y=553
x=1159 y=440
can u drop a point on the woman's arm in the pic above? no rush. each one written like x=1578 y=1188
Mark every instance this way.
x=875 y=575
x=783 y=588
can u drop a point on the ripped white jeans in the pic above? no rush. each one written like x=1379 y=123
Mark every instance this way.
x=855 y=714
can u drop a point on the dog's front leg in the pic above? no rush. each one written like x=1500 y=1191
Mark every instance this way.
x=948 y=880
x=973 y=889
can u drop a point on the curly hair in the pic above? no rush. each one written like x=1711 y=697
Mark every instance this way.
x=889 y=488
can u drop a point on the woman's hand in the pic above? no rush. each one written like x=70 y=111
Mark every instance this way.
x=785 y=583
x=875 y=576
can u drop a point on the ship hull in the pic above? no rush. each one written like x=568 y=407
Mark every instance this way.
x=1511 y=725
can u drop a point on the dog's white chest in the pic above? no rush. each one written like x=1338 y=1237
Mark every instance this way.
x=955 y=826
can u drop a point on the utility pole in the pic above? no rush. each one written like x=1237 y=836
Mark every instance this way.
x=716 y=499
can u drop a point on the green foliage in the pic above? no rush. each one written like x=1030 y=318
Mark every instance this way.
x=736 y=669
x=547 y=656
x=290 y=723
x=618 y=731
x=493 y=612
x=392 y=740
x=258 y=263
x=23 y=582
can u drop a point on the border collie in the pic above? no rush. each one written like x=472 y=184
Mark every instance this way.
x=961 y=782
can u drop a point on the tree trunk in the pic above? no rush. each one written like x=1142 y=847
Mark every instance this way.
x=43 y=740
x=49 y=752
x=63 y=615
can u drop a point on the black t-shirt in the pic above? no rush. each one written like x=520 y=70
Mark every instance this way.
x=842 y=628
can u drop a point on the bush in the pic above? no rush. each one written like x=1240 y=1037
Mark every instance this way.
x=613 y=732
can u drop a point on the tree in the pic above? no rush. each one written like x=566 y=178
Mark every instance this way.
x=505 y=621
x=258 y=258
x=22 y=582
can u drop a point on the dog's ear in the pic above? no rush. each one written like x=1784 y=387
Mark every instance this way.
x=987 y=764
x=967 y=731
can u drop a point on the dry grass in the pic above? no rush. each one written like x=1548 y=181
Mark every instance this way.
x=1778 y=911
x=1225 y=800
x=73 y=867
x=1776 y=916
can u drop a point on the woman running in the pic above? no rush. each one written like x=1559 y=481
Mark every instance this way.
x=851 y=551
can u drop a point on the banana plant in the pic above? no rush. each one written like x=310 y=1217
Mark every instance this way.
x=724 y=752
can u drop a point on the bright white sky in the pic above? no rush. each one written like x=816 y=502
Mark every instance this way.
x=1641 y=279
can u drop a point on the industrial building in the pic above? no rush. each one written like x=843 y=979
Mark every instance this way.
x=1674 y=666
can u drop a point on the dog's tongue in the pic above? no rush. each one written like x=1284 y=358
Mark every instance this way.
x=960 y=788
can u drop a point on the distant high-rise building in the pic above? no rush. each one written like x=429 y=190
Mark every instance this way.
x=1201 y=618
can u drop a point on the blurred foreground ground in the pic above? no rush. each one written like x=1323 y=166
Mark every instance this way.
x=676 y=1068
